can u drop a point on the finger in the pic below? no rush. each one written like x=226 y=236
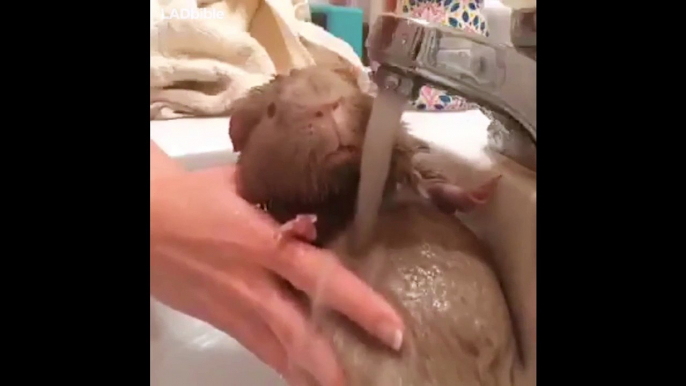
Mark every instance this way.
x=319 y=274
x=211 y=296
x=251 y=332
x=226 y=312
x=253 y=291
x=299 y=377
x=289 y=322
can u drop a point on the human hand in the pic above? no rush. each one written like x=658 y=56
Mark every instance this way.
x=217 y=258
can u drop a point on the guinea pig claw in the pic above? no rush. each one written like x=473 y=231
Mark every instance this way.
x=450 y=197
x=483 y=193
x=301 y=227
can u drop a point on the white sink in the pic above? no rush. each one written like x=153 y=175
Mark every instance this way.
x=187 y=352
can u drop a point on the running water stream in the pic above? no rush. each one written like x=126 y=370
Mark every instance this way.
x=377 y=150
x=376 y=159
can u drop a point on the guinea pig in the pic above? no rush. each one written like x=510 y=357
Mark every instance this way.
x=300 y=139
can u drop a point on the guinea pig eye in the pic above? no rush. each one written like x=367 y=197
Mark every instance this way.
x=271 y=110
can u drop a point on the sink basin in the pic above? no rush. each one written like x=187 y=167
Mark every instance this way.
x=188 y=352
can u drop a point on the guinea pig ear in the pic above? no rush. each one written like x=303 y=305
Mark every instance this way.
x=347 y=73
x=240 y=126
x=245 y=113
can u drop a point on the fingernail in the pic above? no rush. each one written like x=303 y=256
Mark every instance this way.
x=391 y=335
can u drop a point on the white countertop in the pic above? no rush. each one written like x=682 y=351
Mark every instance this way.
x=203 y=142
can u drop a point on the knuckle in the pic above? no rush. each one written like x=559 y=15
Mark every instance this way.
x=291 y=264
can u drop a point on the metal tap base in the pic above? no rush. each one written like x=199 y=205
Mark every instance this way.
x=408 y=53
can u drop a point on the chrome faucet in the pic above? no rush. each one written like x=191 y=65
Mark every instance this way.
x=408 y=53
x=523 y=31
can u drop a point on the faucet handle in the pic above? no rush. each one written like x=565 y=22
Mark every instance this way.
x=492 y=75
x=407 y=53
x=412 y=45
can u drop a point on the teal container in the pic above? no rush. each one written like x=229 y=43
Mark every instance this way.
x=345 y=23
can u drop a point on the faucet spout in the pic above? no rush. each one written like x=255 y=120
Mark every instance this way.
x=498 y=78
x=523 y=31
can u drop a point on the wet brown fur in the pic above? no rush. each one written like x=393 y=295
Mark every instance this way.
x=435 y=272
x=283 y=165
x=426 y=263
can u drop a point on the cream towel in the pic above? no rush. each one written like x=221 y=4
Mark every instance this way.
x=519 y=4
x=200 y=64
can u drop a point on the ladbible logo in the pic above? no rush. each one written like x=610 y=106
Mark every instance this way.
x=189 y=11
x=185 y=13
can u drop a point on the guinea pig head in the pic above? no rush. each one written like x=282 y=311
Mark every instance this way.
x=300 y=137
x=246 y=112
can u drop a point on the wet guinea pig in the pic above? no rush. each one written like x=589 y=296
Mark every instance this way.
x=300 y=140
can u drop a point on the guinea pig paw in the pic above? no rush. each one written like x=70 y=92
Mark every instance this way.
x=301 y=227
x=450 y=197
x=484 y=192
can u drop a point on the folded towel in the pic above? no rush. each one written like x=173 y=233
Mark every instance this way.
x=519 y=4
x=204 y=54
